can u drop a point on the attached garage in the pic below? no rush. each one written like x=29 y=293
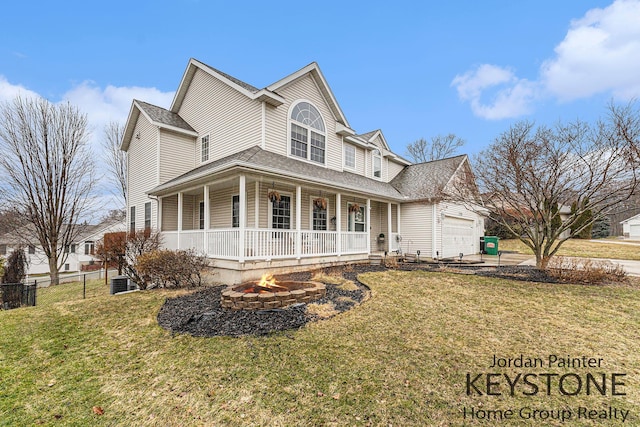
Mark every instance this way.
x=457 y=237
x=631 y=227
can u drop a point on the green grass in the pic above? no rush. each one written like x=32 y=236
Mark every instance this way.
x=399 y=359
x=581 y=248
x=71 y=291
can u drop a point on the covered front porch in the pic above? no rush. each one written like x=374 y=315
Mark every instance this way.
x=250 y=217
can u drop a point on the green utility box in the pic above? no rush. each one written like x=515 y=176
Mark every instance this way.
x=491 y=245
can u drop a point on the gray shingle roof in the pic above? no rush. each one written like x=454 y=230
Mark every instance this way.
x=425 y=181
x=366 y=136
x=160 y=115
x=260 y=159
x=239 y=82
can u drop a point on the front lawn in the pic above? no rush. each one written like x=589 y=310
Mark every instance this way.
x=399 y=359
x=581 y=248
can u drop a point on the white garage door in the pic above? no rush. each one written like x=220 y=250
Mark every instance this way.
x=634 y=231
x=457 y=237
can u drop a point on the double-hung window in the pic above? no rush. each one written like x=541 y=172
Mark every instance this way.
x=204 y=148
x=308 y=135
x=377 y=164
x=147 y=215
x=235 y=211
x=281 y=213
x=357 y=219
x=201 y=215
x=132 y=220
x=349 y=156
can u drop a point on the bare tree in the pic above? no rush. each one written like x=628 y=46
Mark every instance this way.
x=48 y=171
x=440 y=147
x=532 y=177
x=115 y=158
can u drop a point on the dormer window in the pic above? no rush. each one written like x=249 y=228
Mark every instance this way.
x=307 y=133
x=377 y=163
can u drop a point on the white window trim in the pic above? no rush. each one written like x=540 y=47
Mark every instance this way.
x=201 y=218
x=208 y=136
x=291 y=209
x=325 y=134
x=232 y=197
x=311 y=199
x=344 y=157
x=373 y=164
x=351 y=218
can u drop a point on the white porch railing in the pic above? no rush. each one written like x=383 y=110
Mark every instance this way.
x=354 y=242
x=266 y=244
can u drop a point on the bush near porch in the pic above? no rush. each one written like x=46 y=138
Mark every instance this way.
x=400 y=358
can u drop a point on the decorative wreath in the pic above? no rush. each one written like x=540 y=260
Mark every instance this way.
x=274 y=196
x=354 y=208
x=320 y=203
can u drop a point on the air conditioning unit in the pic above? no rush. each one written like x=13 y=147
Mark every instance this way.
x=119 y=284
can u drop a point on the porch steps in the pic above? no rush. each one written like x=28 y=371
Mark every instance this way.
x=375 y=259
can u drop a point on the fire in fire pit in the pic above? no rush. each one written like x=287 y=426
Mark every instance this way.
x=267 y=293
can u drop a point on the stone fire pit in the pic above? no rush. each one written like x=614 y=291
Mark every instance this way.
x=256 y=296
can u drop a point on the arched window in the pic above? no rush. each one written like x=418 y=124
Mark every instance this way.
x=307 y=133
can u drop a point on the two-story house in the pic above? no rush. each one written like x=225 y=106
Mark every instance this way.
x=276 y=178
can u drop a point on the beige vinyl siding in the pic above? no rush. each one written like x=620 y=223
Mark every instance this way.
x=176 y=154
x=187 y=212
x=378 y=224
x=277 y=136
x=142 y=158
x=232 y=120
x=415 y=228
x=393 y=169
x=170 y=213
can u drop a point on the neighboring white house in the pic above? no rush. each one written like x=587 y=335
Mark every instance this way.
x=631 y=227
x=276 y=178
x=79 y=254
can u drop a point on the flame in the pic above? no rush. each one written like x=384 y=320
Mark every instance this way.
x=267 y=281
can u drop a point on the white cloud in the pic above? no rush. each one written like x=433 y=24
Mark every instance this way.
x=511 y=96
x=112 y=103
x=101 y=105
x=600 y=54
x=9 y=91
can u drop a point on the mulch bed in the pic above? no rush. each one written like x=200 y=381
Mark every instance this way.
x=200 y=313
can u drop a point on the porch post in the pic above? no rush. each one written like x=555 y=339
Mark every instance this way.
x=398 y=217
x=243 y=216
x=180 y=196
x=368 y=220
x=207 y=220
x=298 y=221
x=389 y=226
x=339 y=224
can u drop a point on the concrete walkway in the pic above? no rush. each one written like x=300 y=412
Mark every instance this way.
x=618 y=242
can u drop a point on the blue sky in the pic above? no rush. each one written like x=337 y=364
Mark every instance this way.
x=413 y=69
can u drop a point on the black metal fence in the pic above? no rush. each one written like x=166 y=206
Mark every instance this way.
x=40 y=291
x=14 y=295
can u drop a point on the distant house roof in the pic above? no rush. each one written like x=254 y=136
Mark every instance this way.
x=425 y=181
x=266 y=161
x=635 y=217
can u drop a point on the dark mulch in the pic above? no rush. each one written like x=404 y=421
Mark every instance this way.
x=200 y=313
x=518 y=272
